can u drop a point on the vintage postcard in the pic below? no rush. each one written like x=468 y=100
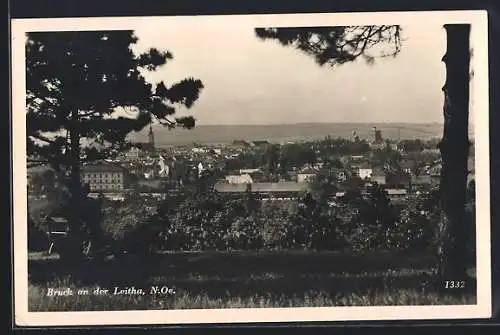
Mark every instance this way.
x=251 y=168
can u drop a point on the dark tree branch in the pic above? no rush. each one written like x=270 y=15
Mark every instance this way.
x=336 y=45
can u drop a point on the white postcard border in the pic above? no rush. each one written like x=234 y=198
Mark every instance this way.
x=479 y=97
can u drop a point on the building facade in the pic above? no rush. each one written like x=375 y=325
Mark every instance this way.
x=104 y=177
x=305 y=177
x=239 y=179
x=364 y=173
x=133 y=154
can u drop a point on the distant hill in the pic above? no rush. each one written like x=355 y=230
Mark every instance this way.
x=224 y=134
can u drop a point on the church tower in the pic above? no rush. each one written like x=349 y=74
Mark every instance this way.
x=151 y=138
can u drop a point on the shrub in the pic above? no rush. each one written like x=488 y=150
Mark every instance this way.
x=244 y=234
x=206 y=221
x=414 y=229
x=37 y=239
x=278 y=232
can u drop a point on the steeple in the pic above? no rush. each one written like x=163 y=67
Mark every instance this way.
x=151 y=138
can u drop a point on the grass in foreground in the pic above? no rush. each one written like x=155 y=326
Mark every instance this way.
x=38 y=301
x=245 y=280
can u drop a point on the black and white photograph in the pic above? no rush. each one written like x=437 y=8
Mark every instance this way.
x=258 y=168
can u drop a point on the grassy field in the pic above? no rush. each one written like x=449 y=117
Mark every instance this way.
x=239 y=279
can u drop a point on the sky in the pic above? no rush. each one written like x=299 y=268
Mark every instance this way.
x=251 y=81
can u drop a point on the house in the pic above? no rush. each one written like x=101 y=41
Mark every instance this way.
x=198 y=150
x=339 y=194
x=406 y=165
x=217 y=151
x=133 y=154
x=239 y=179
x=102 y=177
x=365 y=172
x=305 y=177
x=397 y=196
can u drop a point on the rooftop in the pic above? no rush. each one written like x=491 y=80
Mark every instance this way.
x=102 y=167
x=287 y=186
x=396 y=191
x=308 y=171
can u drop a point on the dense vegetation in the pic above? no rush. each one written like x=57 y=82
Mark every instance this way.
x=200 y=219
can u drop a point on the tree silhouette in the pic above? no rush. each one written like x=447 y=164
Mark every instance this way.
x=454 y=148
x=271 y=157
x=339 y=45
x=76 y=82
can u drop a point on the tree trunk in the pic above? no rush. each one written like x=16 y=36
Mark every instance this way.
x=72 y=246
x=454 y=149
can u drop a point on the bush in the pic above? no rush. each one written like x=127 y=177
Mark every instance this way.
x=206 y=221
x=414 y=230
x=244 y=234
x=278 y=231
x=37 y=239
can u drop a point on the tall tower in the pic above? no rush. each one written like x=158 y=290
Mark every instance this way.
x=377 y=134
x=151 y=138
